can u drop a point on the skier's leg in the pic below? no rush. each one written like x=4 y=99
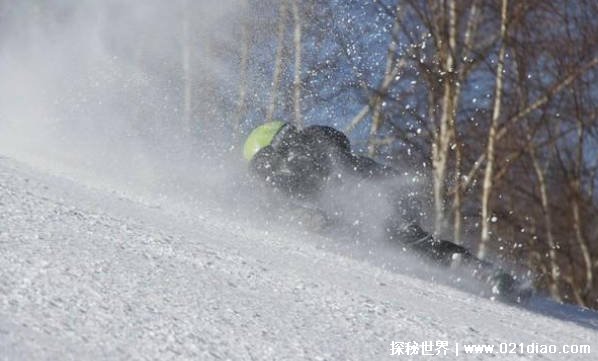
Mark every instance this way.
x=442 y=252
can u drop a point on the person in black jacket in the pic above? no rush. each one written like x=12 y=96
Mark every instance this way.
x=302 y=164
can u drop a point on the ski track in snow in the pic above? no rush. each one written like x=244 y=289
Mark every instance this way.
x=86 y=274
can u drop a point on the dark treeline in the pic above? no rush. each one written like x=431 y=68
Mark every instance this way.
x=494 y=101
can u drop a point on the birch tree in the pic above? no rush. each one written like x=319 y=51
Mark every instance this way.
x=470 y=32
x=555 y=272
x=576 y=194
x=297 y=70
x=277 y=71
x=492 y=133
x=443 y=132
x=243 y=75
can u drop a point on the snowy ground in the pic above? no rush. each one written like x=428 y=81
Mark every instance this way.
x=86 y=273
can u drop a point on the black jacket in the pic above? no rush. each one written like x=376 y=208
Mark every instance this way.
x=300 y=163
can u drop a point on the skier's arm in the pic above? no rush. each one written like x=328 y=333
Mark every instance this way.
x=367 y=167
x=264 y=166
x=292 y=170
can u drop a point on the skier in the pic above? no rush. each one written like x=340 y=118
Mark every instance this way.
x=300 y=164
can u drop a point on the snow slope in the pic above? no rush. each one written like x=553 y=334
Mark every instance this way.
x=86 y=273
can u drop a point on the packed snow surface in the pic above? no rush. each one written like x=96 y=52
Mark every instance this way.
x=88 y=273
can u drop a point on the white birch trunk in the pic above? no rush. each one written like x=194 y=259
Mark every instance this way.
x=576 y=209
x=297 y=72
x=458 y=189
x=282 y=14
x=492 y=133
x=243 y=64
x=553 y=257
x=458 y=197
x=440 y=146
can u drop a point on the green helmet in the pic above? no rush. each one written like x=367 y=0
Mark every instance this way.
x=261 y=137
